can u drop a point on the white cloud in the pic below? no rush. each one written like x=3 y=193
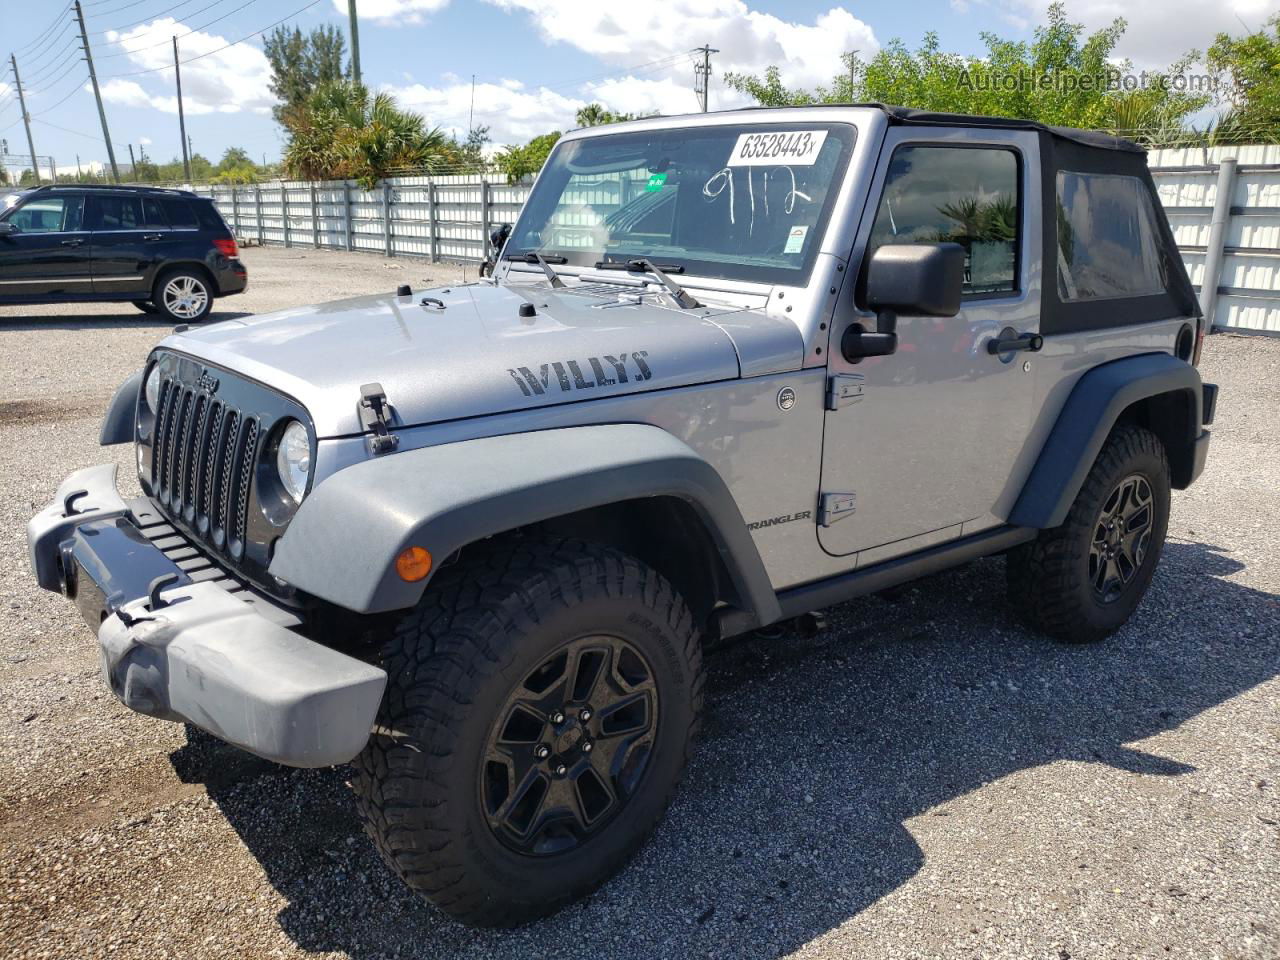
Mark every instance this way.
x=512 y=113
x=393 y=12
x=806 y=54
x=233 y=80
x=144 y=141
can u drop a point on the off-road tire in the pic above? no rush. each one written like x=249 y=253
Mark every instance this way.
x=451 y=662
x=1048 y=579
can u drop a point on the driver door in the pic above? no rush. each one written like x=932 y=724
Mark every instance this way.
x=922 y=446
x=49 y=255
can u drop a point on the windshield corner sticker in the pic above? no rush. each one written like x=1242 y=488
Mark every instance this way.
x=569 y=375
x=795 y=239
x=656 y=182
x=797 y=148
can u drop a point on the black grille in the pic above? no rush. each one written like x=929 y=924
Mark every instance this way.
x=202 y=464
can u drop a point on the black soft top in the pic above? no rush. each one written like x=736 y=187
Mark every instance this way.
x=910 y=116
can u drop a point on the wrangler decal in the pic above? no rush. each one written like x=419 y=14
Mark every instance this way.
x=785 y=518
x=570 y=375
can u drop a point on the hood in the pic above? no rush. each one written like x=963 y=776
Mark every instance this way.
x=470 y=351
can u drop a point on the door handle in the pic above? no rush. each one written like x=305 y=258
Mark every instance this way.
x=72 y=243
x=153 y=236
x=1009 y=340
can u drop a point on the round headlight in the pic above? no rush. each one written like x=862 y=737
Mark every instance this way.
x=293 y=459
x=151 y=390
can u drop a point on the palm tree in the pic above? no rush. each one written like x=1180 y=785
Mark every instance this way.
x=344 y=133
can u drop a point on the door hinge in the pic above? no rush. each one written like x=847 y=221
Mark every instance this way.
x=836 y=506
x=375 y=417
x=843 y=389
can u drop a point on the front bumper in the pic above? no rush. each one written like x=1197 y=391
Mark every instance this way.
x=225 y=660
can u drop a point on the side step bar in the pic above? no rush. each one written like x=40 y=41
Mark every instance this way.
x=859 y=583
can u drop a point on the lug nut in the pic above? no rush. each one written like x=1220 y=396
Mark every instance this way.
x=542 y=751
x=557 y=717
x=586 y=746
x=584 y=714
x=561 y=770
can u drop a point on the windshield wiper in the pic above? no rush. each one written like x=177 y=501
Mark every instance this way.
x=544 y=262
x=640 y=265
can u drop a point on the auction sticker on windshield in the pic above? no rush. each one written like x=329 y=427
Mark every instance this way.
x=797 y=148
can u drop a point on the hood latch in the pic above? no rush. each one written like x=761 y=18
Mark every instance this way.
x=375 y=417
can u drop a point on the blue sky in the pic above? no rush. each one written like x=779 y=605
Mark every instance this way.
x=535 y=61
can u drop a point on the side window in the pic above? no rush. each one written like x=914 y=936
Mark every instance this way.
x=117 y=213
x=1107 y=238
x=48 y=215
x=960 y=195
x=181 y=216
x=210 y=218
x=152 y=215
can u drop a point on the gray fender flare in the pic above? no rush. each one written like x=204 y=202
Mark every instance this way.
x=342 y=543
x=1091 y=410
x=117 y=425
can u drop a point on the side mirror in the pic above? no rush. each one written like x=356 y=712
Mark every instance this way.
x=918 y=279
x=9 y=229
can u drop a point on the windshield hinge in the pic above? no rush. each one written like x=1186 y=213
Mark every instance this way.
x=843 y=389
x=375 y=417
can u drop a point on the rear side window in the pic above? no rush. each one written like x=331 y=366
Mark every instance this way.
x=181 y=216
x=1107 y=238
x=964 y=195
x=152 y=215
x=209 y=217
x=117 y=213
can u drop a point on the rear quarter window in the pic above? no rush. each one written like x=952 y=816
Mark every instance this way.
x=1108 y=242
x=209 y=216
x=181 y=216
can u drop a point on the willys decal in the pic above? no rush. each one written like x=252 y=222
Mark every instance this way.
x=583 y=375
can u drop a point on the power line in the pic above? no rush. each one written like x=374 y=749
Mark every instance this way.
x=37 y=56
x=57 y=18
x=77 y=133
x=248 y=36
x=43 y=65
x=53 y=83
x=154 y=16
x=165 y=43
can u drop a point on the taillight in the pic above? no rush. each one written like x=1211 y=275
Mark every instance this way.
x=227 y=247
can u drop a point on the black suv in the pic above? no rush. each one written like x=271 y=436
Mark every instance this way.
x=165 y=251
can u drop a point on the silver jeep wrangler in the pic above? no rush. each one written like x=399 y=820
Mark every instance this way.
x=727 y=370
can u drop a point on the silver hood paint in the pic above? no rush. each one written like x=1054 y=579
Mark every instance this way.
x=478 y=356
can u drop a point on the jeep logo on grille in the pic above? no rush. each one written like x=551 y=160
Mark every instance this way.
x=207 y=382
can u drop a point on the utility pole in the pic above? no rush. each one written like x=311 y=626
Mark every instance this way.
x=182 y=118
x=471 y=114
x=133 y=164
x=355 y=41
x=53 y=171
x=853 y=75
x=97 y=94
x=702 y=75
x=80 y=173
x=26 y=118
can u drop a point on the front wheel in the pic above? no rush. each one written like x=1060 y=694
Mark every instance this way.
x=540 y=708
x=1081 y=581
x=184 y=296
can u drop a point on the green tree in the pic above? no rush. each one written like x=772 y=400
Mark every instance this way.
x=595 y=115
x=342 y=132
x=1248 y=74
x=1061 y=77
x=302 y=63
x=517 y=162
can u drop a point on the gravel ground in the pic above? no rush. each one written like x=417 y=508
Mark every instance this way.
x=924 y=779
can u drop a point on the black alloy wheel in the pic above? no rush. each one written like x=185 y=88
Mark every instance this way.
x=1121 y=535
x=570 y=746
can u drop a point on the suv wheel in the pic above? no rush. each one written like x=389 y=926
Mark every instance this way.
x=184 y=296
x=1081 y=581
x=540 y=707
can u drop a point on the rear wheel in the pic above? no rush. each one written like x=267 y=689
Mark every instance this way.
x=540 y=707
x=1082 y=581
x=183 y=295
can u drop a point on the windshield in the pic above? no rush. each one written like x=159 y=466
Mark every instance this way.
x=743 y=202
